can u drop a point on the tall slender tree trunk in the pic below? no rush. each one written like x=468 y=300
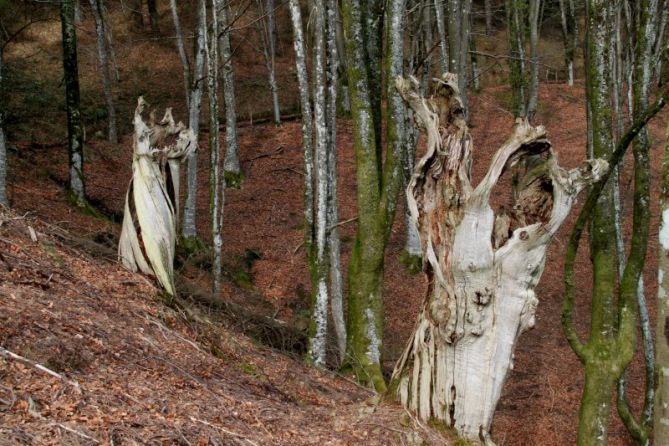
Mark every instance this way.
x=515 y=19
x=74 y=127
x=231 y=166
x=153 y=15
x=333 y=241
x=136 y=14
x=103 y=61
x=441 y=32
x=569 y=35
x=3 y=143
x=459 y=27
x=195 y=88
x=216 y=180
x=661 y=420
x=488 y=16
x=378 y=183
x=319 y=319
x=307 y=126
x=533 y=91
x=181 y=48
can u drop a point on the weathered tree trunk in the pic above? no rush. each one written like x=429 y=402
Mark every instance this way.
x=533 y=91
x=216 y=180
x=231 y=166
x=3 y=143
x=482 y=267
x=661 y=420
x=148 y=234
x=103 y=60
x=74 y=127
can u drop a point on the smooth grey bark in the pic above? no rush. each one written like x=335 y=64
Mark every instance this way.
x=648 y=15
x=181 y=48
x=425 y=29
x=231 y=165
x=441 y=32
x=319 y=319
x=3 y=143
x=216 y=179
x=476 y=72
x=488 y=16
x=103 y=63
x=307 y=123
x=333 y=241
x=109 y=37
x=194 y=90
x=459 y=27
x=74 y=127
x=379 y=179
x=533 y=90
x=569 y=35
x=269 y=54
x=515 y=24
x=272 y=30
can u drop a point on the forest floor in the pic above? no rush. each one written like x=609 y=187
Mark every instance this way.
x=152 y=370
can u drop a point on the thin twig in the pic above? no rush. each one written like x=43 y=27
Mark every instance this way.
x=7 y=354
x=76 y=432
x=222 y=429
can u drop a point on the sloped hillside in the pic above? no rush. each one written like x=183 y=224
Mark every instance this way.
x=91 y=354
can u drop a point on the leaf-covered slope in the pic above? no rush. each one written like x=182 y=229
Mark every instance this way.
x=134 y=371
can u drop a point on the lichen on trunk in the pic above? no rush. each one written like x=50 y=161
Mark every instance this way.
x=482 y=266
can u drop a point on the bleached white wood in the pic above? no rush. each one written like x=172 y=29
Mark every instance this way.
x=148 y=234
x=481 y=295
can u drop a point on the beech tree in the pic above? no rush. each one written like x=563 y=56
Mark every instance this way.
x=231 y=167
x=569 y=35
x=378 y=175
x=320 y=202
x=216 y=180
x=459 y=29
x=481 y=266
x=522 y=17
x=74 y=127
x=194 y=87
x=148 y=234
x=103 y=62
x=616 y=300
